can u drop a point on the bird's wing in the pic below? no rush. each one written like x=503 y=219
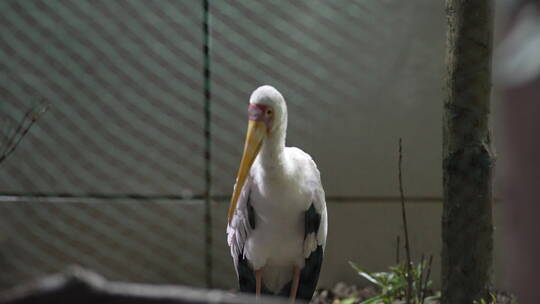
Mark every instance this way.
x=238 y=231
x=315 y=224
x=314 y=239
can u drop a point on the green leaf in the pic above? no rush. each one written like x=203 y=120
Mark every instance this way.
x=365 y=274
x=348 y=301
x=433 y=298
x=373 y=300
x=382 y=275
x=371 y=279
x=358 y=268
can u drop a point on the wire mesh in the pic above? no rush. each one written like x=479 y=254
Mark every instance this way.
x=123 y=240
x=146 y=124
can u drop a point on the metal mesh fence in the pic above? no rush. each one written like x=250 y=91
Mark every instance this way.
x=114 y=177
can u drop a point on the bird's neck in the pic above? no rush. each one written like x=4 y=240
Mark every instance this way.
x=272 y=151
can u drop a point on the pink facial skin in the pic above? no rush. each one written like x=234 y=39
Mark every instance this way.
x=257 y=112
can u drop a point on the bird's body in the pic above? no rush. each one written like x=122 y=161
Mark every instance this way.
x=279 y=225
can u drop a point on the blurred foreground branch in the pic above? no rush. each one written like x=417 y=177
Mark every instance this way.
x=78 y=285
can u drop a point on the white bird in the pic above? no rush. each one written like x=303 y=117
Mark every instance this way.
x=277 y=221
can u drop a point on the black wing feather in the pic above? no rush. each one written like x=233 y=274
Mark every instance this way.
x=251 y=213
x=312 y=221
x=312 y=268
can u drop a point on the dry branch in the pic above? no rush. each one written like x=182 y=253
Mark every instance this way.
x=404 y=218
x=12 y=137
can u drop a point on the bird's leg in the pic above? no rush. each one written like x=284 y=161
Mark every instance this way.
x=258 y=279
x=295 y=282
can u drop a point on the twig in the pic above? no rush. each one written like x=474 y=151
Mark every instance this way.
x=426 y=280
x=404 y=216
x=10 y=137
x=398 y=258
x=15 y=138
x=420 y=282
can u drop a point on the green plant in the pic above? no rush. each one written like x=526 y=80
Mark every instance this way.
x=393 y=284
x=406 y=281
x=495 y=298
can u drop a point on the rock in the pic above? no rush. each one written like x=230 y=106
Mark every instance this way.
x=341 y=290
x=367 y=292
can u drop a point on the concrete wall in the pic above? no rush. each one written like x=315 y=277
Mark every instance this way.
x=127 y=120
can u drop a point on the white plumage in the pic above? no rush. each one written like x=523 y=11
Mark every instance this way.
x=271 y=227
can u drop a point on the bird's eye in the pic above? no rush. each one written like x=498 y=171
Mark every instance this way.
x=268 y=112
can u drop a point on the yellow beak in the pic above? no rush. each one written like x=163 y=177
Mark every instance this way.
x=254 y=138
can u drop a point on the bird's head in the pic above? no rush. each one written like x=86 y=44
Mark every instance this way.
x=267 y=106
x=267 y=115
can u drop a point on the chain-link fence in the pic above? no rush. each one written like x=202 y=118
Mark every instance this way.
x=130 y=170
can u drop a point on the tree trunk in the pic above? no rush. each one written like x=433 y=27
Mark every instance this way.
x=467 y=229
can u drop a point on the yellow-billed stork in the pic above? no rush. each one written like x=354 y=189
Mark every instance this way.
x=277 y=219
